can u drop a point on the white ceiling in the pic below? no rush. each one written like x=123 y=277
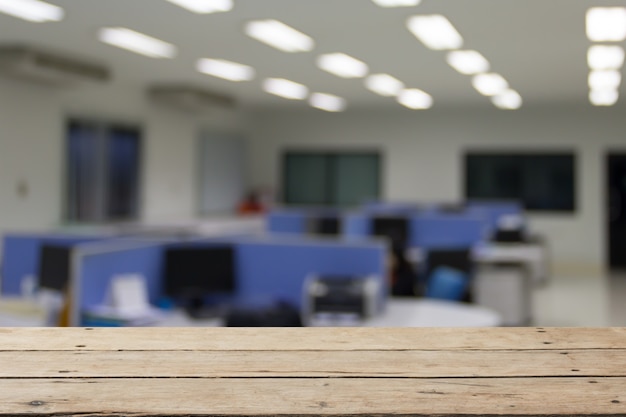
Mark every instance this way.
x=539 y=46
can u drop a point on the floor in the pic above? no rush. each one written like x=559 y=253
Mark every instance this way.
x=581 y=301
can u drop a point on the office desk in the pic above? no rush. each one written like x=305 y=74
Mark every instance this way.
x=313 y=372
x=398 y=313
x=18 y=312
x=534 y=255
x=412 y=312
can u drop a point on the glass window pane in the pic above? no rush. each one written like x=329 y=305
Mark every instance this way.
x=122 y=173
x=305 y=178
x=83 y=191
x=356 y=179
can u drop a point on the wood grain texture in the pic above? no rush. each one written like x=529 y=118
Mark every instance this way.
x=323 y=339
x=313 y=372
x=339 y=364
x=317 y=396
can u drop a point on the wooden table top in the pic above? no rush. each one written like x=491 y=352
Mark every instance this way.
x=313 y=372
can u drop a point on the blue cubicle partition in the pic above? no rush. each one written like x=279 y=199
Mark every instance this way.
x=294 y=222
x=279 y=269
x=357 y=226
x=448 y=231
x=494 y=210
x=97 y=265
x=20 y=256
x=271 y=267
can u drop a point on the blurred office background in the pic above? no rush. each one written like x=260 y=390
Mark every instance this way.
x=109 y=149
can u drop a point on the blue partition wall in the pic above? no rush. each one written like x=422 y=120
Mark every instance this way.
x=287 y=222
x=269 y=269
x=97 y=268
x=20 y=256
x=279 y=270
x=448 y=232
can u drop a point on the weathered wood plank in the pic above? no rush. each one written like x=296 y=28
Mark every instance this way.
x=374 y=364
x=317 y=396
x=323 y=339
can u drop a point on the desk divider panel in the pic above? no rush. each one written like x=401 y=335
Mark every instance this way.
x=279 y=269
x=272 y=267
x=357 y=226
x=287 y=222
x=448 y=231
x=20 y=256
x=96 y=265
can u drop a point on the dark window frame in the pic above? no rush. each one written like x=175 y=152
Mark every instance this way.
x=104 y=130
x=525 y=154
x=329 y=153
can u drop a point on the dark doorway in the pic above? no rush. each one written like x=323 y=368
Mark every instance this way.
x=616 y=209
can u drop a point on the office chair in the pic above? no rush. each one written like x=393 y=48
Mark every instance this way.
x=447 y=284
x=458 y=259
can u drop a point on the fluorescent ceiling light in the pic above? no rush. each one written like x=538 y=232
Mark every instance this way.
x=327 y=102
x=508 y=100
x=603 y=97
x=279 y=35
x=32 y=10
x=384 y=84
x=604 y=79
x=414 y=98
x=227 y=70
x=342 y=65
x=204 y=6
x=137 y=42
x=435 y=31
x=602 y=57
x=397 y=3
x=606 y=24
x=490 y=84
x=285 y=88
x=468 y=62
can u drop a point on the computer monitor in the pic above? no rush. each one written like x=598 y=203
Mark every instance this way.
x=193 y=273
x=326 y=225
x=54 y=267
x=394 y=228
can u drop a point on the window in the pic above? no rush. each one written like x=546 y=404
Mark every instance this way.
x=330 y=178
x=102 y=177
x=541 y=181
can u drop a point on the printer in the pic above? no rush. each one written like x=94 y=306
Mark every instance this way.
x=340 y=296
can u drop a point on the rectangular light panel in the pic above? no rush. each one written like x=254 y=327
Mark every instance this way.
x=435 y=32
x=327 y=102
x=204 y=6
x=342 y=65
x=228 y=70
x=490 y=84
x=507 y=100
x=384 y=85
x=397 y=3
x=279 y=35
x=32 y=10
x=286 y=89
x=604 y=79
x=603 y=97
x=605 y=57
x=468 y=62
x=606 y=24
x=415 y=99
x=137 y=42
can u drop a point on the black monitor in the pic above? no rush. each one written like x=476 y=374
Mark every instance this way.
x=394 y=228
x=508 y=236
x=326 y=225
x=54 y=267
x=193 y=273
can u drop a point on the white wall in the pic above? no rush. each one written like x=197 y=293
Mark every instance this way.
x=32 y=123
x=423 y=153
